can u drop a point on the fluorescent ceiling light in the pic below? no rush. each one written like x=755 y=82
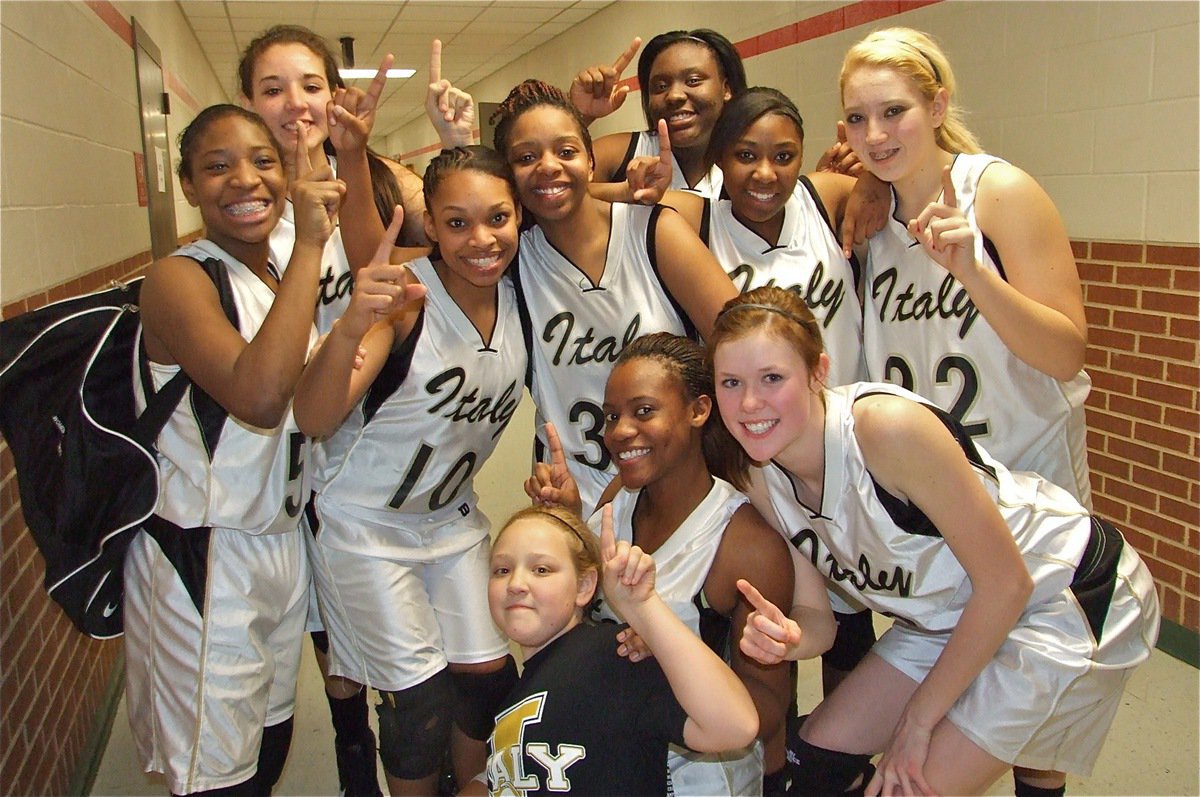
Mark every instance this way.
x=355 y=74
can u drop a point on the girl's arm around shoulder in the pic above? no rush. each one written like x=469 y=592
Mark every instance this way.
x=913 y=455
x=608 y=152
x=1038 y=311
x=688 y=205
x=690 y=272
x=183 y=323
x=720 y=713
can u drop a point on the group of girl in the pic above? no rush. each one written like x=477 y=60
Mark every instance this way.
x=998 y=582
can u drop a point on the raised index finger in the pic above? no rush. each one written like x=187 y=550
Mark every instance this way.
x=384 y=253
x=757 y=600
x=557 y=457
x=377 y=83
x=664 y=141
x=435 y=61
x=301 y=165
x=624 y=58
x=608 y=540
x=948 y=196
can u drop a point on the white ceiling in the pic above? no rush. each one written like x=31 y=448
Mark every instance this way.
x=478 y=37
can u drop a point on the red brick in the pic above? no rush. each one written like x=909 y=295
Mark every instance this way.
x=1161 y=482
x=747 y=48
x=1184 y=467
x=1182 y=397
x=1162 y=527
x=1191 y=613
x=1163 y=572
x=1130 y=494
x=1173 y=255
x=1110 y=295
x=866 y=11
x=1185 y=328
x=1164 y=438
x=1186 y=281
x=776 y=39
x=1148 y=276
x=1097 y=272
x=1185 y=375
x=1097 y=419
x=13 y=309
x=1163 y=302
x=1187 y=512
x=1140 y=321
x=1186 y=420
x=1121 y=253
x=1116 y=383
x=1142 y=542
x=820 y=25
x=1100 y=463
x=1168 y=347
x=1134 y=452
x=1145 y=410
x=1188 y=560
x=1097 y=316
x=1172 y=606
x=36 y=300
x=1141 y=366
x=1112 y=339
x=1080 y=249
x=1095 y=358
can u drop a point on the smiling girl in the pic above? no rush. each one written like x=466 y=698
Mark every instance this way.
x=1018 y=616
x=971 y=297
x=593 y=275
x=400 y=548
x=216 y=586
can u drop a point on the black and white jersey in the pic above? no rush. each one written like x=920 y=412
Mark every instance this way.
x=922 y=331
x=214 y=469
x=887 y=554
x=407 y=455
x=578 y=329
x=337 y=282
x=807 y=260
x=645 y=143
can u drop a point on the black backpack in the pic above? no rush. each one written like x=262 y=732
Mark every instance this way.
x=85 y=461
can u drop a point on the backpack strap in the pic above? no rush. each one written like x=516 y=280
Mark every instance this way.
x=160 y=404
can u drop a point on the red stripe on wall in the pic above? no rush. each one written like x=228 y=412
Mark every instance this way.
x=839 y=19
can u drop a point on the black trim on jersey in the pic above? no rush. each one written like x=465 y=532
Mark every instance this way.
x=715 y=628
x=595 y=284
x=813 y=513
x=523 y=313
x=994 y=254
x=1096 y=575
x=812 y=190
x=210 y=416
x=908 y=516
x=310 y=512
x=394 y=371
x=618 y=174
x=689 y=329
x=706 y=221
x=187 y=551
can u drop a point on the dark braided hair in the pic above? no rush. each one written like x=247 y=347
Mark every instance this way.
x=530 y=94
x=685 y=359
x=460 y=159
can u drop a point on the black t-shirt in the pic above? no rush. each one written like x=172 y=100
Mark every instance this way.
x=583 y=720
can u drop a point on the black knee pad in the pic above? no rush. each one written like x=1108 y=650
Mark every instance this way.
x=855 y=636
x=1023 y=789
x=478 y=698
x=817 y=771
x=414 y=727
x=272 y=755
x=320 y=641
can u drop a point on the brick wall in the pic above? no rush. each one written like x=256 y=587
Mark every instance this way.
x=1143 y=418
x=53 y=679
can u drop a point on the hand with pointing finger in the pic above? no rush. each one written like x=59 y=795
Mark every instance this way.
x=649 y=176
x=840 y=158
x=628 y=571
x=596 y=92
x=553 y=485
x=316 y=195
x=451 y=110
x=945 y=233
x=352 y=112
x=380 y=288
x=770 y=635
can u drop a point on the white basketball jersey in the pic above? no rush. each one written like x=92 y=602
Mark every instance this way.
x=578 y=329
x=402 y=465
x=336 y=281
x=214 y=469
x=888 y=556
x=681 y=568
x=646 y=143
x=807 y=260
x=922 y=331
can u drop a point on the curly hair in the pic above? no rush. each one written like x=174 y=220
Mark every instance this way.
x=530 y=94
